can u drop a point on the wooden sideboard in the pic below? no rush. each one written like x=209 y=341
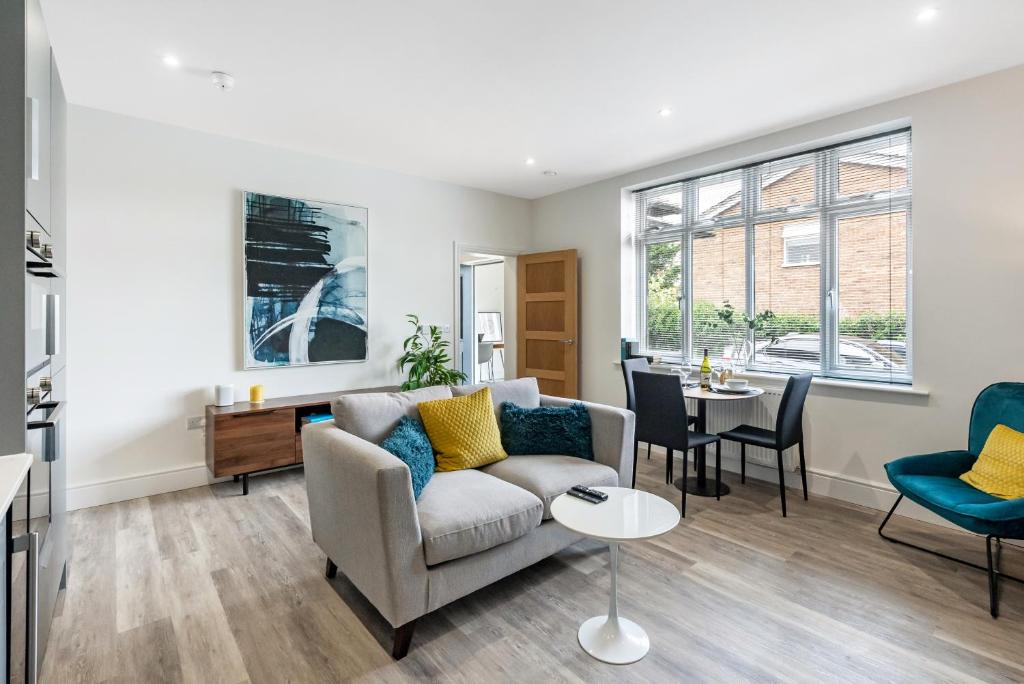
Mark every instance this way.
x=247 y=438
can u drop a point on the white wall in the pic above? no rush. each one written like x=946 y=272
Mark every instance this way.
x=968 y=236
x=155 y=271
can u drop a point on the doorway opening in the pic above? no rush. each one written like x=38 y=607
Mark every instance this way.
x=485 y=316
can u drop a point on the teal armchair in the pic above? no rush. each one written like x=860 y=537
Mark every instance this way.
x=933 y=481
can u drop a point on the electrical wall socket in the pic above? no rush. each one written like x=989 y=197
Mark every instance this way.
x=196 y=423
x=446 y=328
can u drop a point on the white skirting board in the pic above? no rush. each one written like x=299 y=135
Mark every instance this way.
x=136 y=486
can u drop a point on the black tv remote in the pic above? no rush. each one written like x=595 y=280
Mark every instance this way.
x=590 y=492
x=585 y=497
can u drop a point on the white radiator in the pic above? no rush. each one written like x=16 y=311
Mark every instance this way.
x=761 y=412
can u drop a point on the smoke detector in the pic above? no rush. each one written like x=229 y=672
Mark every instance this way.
x=222 y=81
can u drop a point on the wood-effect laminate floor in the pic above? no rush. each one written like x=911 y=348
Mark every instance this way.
x=204 y=585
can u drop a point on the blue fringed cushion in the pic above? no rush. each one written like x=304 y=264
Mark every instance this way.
x=409 y=442
x=554 y=430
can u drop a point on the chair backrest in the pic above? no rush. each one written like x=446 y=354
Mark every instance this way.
x=628 y=366
x=484 y=352
x=789 y=425
x=1001 y=403
x=660 y=410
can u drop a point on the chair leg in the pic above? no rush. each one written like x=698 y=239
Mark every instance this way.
x=782 y=483
x=669 y=466
x=803 y=469
x=648 y=451
x=718 y=472
x=403 y=638
x=636 y=452
x=686 y=478
x=743 y=463
x=993 y=577
x=332 y=570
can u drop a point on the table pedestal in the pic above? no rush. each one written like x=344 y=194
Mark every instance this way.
x=701 y=485
x=609 y=638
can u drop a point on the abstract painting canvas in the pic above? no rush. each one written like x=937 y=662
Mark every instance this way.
x=305 y=282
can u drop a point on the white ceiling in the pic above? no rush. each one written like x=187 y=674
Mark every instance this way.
x=466 y=90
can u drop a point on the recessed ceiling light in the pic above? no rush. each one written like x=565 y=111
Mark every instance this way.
x=530 y=161
x=664 y=111
x=927 y=14
x=171 y=62
x=550 y=172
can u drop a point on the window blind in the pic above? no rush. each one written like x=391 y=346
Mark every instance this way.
x=787 y=265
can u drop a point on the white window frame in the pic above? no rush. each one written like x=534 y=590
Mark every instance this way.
x=828 y=208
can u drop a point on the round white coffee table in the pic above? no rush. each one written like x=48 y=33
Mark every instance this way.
x=627 y=515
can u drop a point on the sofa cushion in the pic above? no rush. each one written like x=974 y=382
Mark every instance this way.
x=466 y=511
x=548 y=476
x=409 y=442
x=562 y=430
x=373 y=415
x=463 y=431
x=522 y=392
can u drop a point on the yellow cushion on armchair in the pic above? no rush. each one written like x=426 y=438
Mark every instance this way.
x=999 y=470
x=463 y=431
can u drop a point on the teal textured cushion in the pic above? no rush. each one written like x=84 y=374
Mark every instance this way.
x=554 y=430
x=409 y=442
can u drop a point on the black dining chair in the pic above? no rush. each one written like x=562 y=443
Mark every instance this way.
x=789 y=430
x=661 y=418
x=628 y=368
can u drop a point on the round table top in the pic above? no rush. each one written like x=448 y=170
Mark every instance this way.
x=627 y=515
x=698 y=393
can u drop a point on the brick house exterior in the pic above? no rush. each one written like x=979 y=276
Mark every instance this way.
x=872 y=250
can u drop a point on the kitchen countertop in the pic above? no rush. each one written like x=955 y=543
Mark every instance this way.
x=13 y=469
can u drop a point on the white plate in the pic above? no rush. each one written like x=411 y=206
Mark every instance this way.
x=726 y=390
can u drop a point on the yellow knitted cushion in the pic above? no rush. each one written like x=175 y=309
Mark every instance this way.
x=999 y=470
x=463 y=431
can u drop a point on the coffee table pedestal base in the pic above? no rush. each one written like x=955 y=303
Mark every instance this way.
x=614 y=640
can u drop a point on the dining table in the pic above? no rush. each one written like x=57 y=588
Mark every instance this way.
x=701 y=486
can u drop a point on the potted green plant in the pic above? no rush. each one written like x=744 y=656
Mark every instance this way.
x=425 y=354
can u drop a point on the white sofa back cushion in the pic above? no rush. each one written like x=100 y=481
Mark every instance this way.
x=522 y=392
x=373 y=416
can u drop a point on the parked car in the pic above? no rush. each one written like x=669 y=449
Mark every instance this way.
x=803 y=352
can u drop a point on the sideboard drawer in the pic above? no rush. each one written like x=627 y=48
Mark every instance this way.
x=246 y=442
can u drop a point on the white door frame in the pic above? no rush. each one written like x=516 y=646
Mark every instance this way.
x=458 y=249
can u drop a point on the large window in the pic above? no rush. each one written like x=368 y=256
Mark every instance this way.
x=794 y=264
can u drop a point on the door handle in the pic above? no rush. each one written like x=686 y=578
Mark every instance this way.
x=569 y=341
x=30 y=542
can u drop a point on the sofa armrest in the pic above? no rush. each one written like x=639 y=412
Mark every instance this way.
x=612 y=433
x=363 y=515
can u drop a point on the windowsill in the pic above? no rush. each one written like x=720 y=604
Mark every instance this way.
x=798 y=264
x=779 y=379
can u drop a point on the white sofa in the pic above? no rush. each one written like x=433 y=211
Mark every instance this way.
x=468 y=529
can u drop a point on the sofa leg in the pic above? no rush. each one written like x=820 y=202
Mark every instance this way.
x=332 y=569
x=403 y=637
x=993 y=576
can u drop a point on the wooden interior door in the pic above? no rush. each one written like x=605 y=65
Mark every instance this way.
x=546 y=337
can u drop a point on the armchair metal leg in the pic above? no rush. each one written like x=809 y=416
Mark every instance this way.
x=991 y=568
x=993 y=577
x=782 y=483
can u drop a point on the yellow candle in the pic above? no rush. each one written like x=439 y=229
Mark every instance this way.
x=256 y=394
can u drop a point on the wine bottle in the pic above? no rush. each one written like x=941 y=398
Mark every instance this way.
x=705 y=372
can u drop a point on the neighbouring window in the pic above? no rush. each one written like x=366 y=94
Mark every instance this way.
x=791 y=264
